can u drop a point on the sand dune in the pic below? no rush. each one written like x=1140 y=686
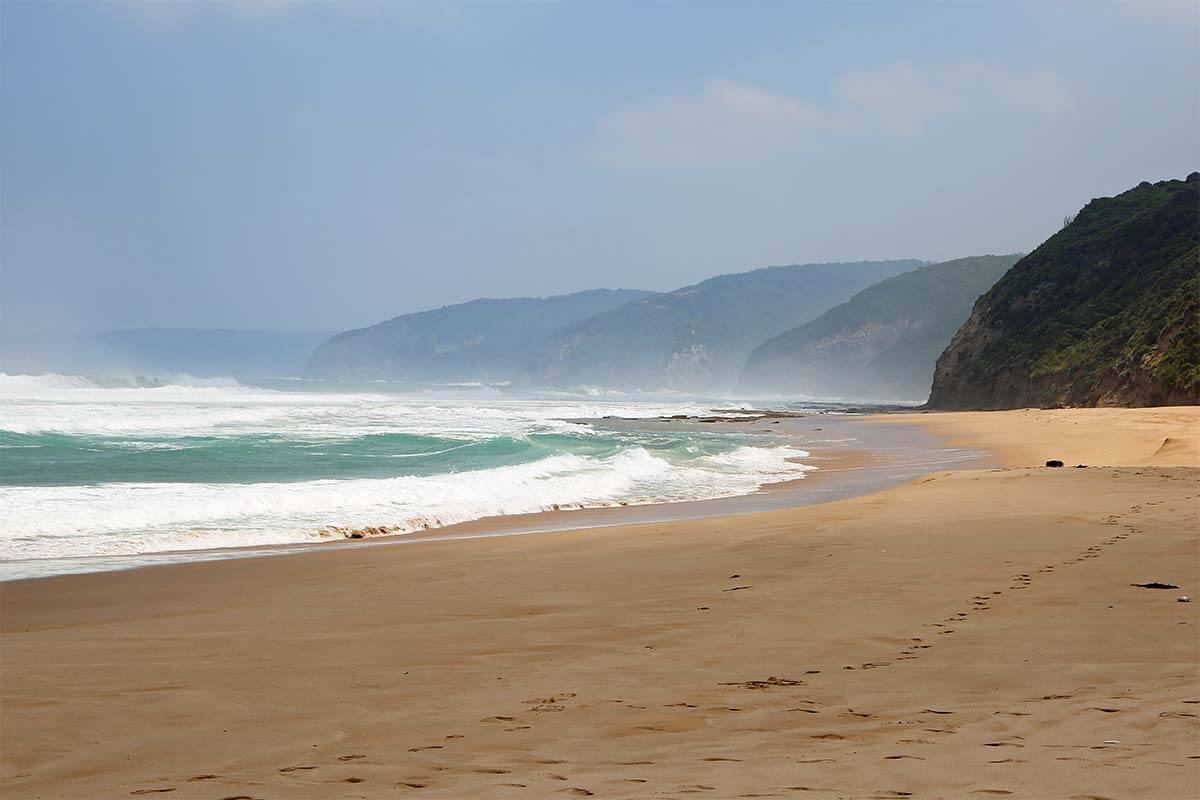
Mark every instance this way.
x=972 y=634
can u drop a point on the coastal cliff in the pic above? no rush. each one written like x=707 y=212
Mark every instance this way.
x=881 y=343
x=1103 y=313
x=487 y=339
x=697 y=337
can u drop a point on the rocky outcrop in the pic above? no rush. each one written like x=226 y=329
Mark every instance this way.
x=1103 y=313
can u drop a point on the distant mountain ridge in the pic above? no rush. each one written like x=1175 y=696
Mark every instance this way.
x=486 y=339
x=1103 y=313
x=881 y=343
x=697 y=337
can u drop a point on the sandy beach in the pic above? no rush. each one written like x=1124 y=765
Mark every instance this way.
x=975 y=633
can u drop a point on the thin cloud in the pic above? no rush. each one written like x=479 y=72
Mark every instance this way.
x=731 y=121
x=898 y=94
x=904 y=97
x=726 y=118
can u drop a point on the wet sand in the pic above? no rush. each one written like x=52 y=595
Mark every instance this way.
x=973 y=633
x=847 y=458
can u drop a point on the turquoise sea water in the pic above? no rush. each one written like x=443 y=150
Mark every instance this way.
x=93 y=468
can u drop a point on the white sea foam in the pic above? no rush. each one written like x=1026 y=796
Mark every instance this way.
x=102 y=515
x=78 y=406
x=124 y=519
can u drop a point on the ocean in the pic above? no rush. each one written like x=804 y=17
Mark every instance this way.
x=96 y=468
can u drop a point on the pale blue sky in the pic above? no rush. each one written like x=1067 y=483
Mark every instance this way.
x=249 y=163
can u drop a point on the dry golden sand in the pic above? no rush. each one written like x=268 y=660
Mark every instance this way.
x=1127 y=436
x=973 y=634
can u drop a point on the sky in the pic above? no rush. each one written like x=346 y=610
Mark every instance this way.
x=327 y=164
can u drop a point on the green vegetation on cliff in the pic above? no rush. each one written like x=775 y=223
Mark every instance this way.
x=1103 y=313
x=882 y=343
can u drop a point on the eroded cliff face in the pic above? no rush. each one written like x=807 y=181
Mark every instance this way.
x=691 y=368
x=1103 y=313
x=840 y=364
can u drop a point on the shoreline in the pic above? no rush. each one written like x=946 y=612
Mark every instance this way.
x=974 y=632
x=886 y=458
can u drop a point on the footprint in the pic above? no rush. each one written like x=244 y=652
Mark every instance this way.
x=577 y=791
x=493 y=771
x=203 y=777
x=294 y=769
x=350 y=757
x=151 y=791
x=903 y=755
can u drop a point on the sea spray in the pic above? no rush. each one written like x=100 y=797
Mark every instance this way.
x=119 y=469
